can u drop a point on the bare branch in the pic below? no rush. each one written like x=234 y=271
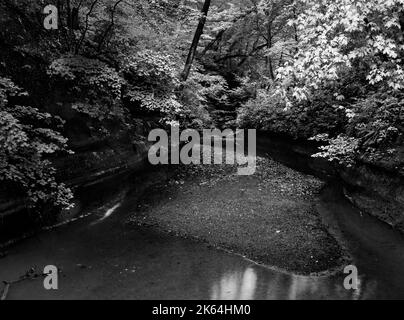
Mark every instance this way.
x=110 y=26
x=83 y=35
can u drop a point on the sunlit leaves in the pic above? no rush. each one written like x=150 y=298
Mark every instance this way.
x=151 y=67
x=25 y=138
x=333 y=35
x=342 y=149
x=95 y=87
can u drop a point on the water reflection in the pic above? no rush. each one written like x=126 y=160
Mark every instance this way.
x=235 y=286
x=256 y=282
x=110 y=211
x=131 y=262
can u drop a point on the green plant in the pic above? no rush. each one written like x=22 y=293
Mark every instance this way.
x=378 y=120
x=27 y=138
x=342 y=149
x=269 y=111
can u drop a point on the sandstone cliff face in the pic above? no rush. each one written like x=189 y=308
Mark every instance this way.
x=378 y=192
x=375 y=188
x=100 y=159
x=95 y=162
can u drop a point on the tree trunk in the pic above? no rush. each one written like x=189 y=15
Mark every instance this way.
x=269 y=46
x=295 y=31
x=195 y=41
x=70 y=34
x=213 y=42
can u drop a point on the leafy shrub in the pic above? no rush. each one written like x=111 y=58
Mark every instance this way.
x=91 y=74
x=342 y=149
x=378 y=120
x=151 y=81
x=151 y=68
x=153 y=85
x=270 y=112
x=374 y=129
x=94 y=87
x=207 y=87
x=163 y=102
x=200 y=92
x=26 y=138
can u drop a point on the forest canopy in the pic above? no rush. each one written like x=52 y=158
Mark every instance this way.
x=328 y=70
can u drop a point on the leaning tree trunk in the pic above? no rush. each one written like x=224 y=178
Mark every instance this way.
x=195 y=41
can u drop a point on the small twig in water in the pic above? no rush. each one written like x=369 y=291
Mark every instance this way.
x=29 y=275
x=5 y=291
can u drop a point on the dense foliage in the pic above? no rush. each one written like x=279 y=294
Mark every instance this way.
x=325 y=70
x=341 y=82
x=107 y=64
x=26 y=137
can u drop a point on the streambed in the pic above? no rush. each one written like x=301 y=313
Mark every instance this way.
x=101 y=256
